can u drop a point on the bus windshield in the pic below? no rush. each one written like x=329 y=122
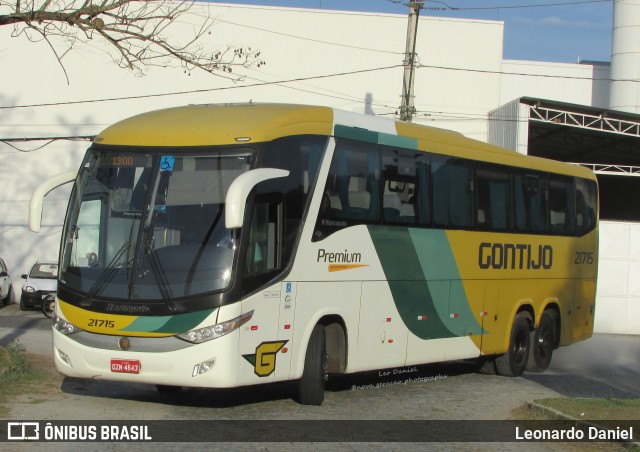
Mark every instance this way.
x=149 y=224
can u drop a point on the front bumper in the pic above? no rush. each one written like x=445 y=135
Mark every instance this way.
x=33 y=299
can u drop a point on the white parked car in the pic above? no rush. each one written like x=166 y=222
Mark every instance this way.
x=41 y=281
x=5 y=284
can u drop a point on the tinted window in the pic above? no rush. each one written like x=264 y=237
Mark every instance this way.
x=493 y=198
x=451 y=192
x=561 y=205
x=530 y=196
x=586 y=205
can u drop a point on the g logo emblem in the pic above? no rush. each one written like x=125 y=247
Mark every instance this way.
x=264 y=360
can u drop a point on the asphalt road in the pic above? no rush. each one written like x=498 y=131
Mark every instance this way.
x=603 y=366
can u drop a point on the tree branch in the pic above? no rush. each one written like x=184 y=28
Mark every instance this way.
x=133 y=29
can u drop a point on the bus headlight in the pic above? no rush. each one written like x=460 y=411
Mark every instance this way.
x=63 y=326
x=215 y=331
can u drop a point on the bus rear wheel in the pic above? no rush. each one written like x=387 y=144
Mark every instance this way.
x=514 y=361
x=311 y=385
x=543 y=341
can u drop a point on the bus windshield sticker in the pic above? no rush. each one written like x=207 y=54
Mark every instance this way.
x=167 y=162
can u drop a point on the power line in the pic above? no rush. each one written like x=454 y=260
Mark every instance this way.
x=538 y=5
x=524 y=74
x=48 y=140
x=204 y=90
x=316 y=77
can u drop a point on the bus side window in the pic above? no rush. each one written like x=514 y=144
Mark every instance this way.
x=586 y=205
x=353 y=188
x=493 y=198
x=561 y=205
x=451 y=192
x=530 y=193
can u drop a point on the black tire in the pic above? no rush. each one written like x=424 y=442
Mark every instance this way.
x=543 y=340
x=311 y=385
x=514 y=361
x=48 y=306
x=23 y=305
x=7 y=299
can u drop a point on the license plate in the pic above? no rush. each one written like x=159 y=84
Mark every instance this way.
x=125 y=366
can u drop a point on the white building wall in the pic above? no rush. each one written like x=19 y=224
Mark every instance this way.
x=618 y=296
x=462 y=77
x=583 y=84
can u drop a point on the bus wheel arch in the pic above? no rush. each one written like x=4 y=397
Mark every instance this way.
x=514 y=361
x=336 y=337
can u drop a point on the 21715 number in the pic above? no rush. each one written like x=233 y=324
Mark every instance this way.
x=584 y=258
x=102 y=323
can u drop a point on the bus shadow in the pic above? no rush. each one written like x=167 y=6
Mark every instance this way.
x=274 y=392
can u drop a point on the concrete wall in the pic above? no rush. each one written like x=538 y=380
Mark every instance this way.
x=618 y=299
x=583 y=84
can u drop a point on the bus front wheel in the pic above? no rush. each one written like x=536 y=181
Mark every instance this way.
x=311 y=385
x=514 y=361
x=543 y=341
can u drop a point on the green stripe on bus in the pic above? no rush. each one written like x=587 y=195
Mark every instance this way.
x=169 y=324
x=424 y=281
x=387 y=139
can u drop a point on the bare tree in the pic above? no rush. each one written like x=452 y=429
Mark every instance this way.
x=137 y=32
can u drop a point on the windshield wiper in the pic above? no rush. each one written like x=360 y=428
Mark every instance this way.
x=159 y=274
x=108 y=273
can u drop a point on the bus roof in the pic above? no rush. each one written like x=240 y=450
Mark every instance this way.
x=227 y=124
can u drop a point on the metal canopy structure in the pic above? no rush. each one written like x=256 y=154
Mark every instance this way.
x=606 y=141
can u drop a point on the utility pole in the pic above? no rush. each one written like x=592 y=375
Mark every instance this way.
x=407 y=110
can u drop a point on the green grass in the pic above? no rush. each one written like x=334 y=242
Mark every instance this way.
x=20 y=373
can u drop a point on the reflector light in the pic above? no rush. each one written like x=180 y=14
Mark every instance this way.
x=64 y=357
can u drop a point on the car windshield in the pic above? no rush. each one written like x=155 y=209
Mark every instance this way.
x=149 y=225
x=44 y=271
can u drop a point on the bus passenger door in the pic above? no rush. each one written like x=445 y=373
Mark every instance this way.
x=382 y=335
x=285 y=328
x=261 y=346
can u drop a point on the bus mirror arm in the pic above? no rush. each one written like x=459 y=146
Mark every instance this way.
x=239 y=190
x=37 y=198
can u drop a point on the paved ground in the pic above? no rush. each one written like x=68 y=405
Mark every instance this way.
x=604 y=366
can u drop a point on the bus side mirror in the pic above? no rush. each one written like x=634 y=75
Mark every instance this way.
x=37 y=198
x=239 y=190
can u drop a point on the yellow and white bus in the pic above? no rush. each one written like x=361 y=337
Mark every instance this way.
x=228 y=245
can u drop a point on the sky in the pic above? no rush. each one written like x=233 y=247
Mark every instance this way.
x=563 y=31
